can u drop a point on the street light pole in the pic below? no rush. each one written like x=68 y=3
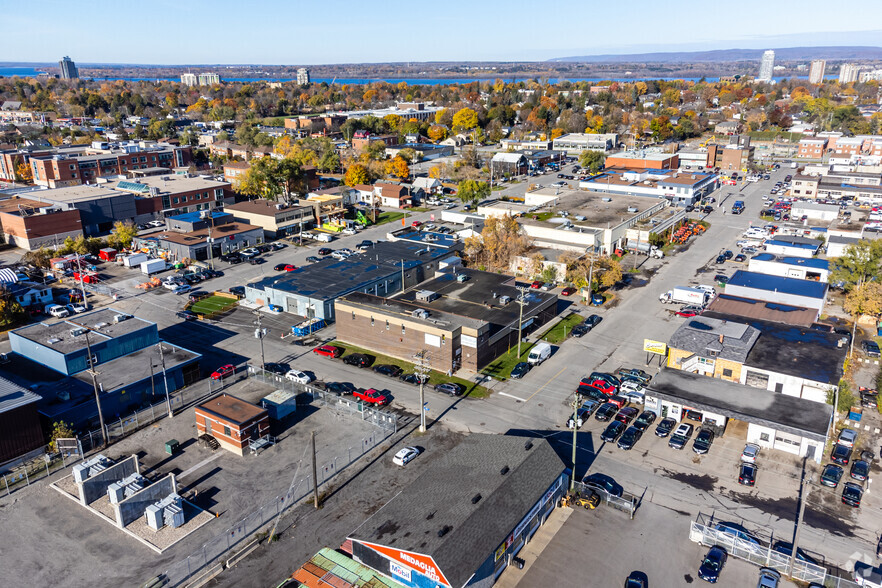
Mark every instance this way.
x=421 y=369
x=165 y=381
x=577 y=402
x=259 y=334
x=520 y=317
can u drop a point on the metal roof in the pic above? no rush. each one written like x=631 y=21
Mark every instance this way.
x=781 y=243
x=794 y=286
x=727 y=305
x=13 y=396
x=811 y=262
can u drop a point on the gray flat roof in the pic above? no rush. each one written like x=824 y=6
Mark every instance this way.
x=13 y=396
x=101 y=321
x=439 y=499
x=135 y=367
x=73 y=194
x=782 y=412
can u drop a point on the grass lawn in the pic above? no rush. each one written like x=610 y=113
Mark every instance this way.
x=556 y=334
x=472 y=390
x=501 y=367
x=211 y=305
x=388 y=217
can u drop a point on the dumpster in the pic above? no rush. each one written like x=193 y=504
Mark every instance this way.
x=172 y=447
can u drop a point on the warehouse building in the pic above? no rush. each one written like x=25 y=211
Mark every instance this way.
x=748 y=308
x=772 y=421
x=463 y=319
x=20 y=429
x=188 y=236
x=441 y=532
x=792 y=291
x=785 y=245
x=802 y=268
x=814 y=211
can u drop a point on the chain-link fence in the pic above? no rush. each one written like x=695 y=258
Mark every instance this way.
x=626 y=502
x=205 y=561
x=743 y=546
x=39 y=464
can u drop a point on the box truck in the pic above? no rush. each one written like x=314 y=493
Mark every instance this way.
x=685 y=295
x=151 y=266
x=135 y=259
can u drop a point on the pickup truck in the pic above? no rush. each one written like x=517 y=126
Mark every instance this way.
x=738 y=207
x=371 y=396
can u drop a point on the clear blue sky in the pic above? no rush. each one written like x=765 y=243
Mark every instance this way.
x=344 y=31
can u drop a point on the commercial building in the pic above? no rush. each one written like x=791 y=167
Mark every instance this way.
x=802 y=268
x=792 y=245
x=125 y=351
x=767 y=67
x=774 y=421
x=426 y=151
x=207 y=79
x=791 y=291
x=189 y=236
x=805 y=186
x=848 y=73
x=643 y=160
x=575 y=143
x=302 y=76
x=462 y=318
x=734 y=156
x=680 y=188
x=748 y=309
x=816 y=71
x=421 y=111
x=277 y=219
x=20 y=429
x=233 y=422
x=31 y=224
x=439 y=531
x=508 y=164
x=69 y=69
x=329 y=566
x=814 y=211
x=812 y=148
x=310 y=291
x=838 y=244
x=189 y=79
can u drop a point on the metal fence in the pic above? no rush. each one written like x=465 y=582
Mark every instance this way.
x=37 y=465
x=202 y=563
x=705 y=533
x=627 y=503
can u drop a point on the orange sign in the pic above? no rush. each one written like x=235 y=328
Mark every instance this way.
x=416 y=561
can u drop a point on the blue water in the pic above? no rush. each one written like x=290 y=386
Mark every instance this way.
x=25 y=72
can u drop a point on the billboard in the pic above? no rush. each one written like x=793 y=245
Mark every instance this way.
x=657 y=347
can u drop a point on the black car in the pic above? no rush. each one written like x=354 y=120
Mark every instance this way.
x=606 y=412
x=313 y=259
x=665 y=426
x=703 y=441
x=747 y=474
x=264 y=248
x=238 y=290
x=361 y=360
x=712 y=564
x=632 y=435
x=580 y=330
x=198 y=295
x=645 y=419
x=841 y=454
x=707 y=209
x=188 y=315
x=593 y=320
x=721 y=279
x=721 y=259
x=613 y=431
x=275 y=368
x=451 y=388
x=604 y=483
x=831 y=475
x=520 y=370
x=393 y=371
x=256 y=260
x=871 y=348
x=636 y=580
x=728 y=254
x=786 y=548
x=338 y=388
x=860 y=469
x=852 y=494
x=414 y=379
x=366 y=243
x=324 y=251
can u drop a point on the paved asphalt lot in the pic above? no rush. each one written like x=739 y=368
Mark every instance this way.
x=674 y=486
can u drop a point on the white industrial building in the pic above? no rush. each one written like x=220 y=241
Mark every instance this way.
x=814 y=211
x=802 y=268
x=770 y=288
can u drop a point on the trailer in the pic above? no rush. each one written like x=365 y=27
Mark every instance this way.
x=107 y=254
x=151 y=266
x=135 y=259
x=308 y=327
x=685 y=295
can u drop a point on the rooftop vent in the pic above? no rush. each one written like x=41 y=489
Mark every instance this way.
x=78 y=331
x=528 y=445
x=420 y=313
x=426 y=295
x=121 y=317
x=53 y=340
x=476 y=498
x=504 y=470
x=444 y=530
x=101 y=325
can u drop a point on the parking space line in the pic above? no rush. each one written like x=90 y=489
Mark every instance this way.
x=545 y=384
x=512 y=396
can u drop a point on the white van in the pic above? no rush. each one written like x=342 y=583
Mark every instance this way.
x=324 y=237
x=539 y=353
x=57 y=311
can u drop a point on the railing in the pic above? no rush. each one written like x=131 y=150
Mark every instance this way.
x=697 y=363
x=627 y=503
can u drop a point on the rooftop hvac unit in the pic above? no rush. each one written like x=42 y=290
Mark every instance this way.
x=121 y=317
x=426 y=295
x=94 y=466
x=125 y=488
x=420 y=313
x=154 y=190
x=78 y=331
x=100 y=325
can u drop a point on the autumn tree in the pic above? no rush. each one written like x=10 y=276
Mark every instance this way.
x=435 y=172
x=11 y=311
x=501 y=240
x=865 y=299
x=60 y=430
x=465 y=119
x=536 y=265
x=122 y=235
x=860 y=262
x=437 y=133
x=397 y=168
x=356 y=174
x=470 y=191
x=601 y=271
x=592 y=160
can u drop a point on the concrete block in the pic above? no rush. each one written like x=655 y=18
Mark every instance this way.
x=94 y=487
x=135 y=506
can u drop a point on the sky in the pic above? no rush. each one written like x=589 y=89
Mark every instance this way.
x=293 y=32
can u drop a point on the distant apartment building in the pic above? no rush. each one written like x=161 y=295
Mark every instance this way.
x=189 y=79
x=812 y=148
x=870 y=75
x=302 y=76
x=816 y=71
x=767 y=66
x=68 y=69
x=207 y=79
x=848 y=73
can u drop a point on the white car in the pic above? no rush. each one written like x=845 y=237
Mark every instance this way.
x=249 y=253
x=633 y=396
x=847 y=437
x=76 y=308
x=751 y=450
x=181 y=289
x=349 y=231
x=157 y=224
x=298 y=376
x=632 y=386
x=404 y=455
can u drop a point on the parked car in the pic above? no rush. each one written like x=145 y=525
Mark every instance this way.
x=328 y=351
x=313 y=259
x=393 y=371
x=188 y=315
x=871 y=348
x=635 y=396
x=703 y=441
x=274 y=368
x=582 y=414
x=324 y=251
x=520 y=370
x=606 y=412
x=627 y=414
x=604 y=483
x=689 y=311
x=712 y=564
x=298 y=376
x=860 y=469
x=664 y=427
x=338 y=388
x=747 y=474
x=721 y=259
x=852 y=494
x=371 y=396
x=568 y=291
x=536 y=284
x=238 y=290
x=736 y=530
x=751 y=450
x=580 y=330
x=405 y=455
x=613 y=431
x=768 y=578
x=645 y=419
x=786 y=548
x=415 y=379
x=681 y=436
x=284 y=267
x=223 y=371
x=451 y=388
x=831 y=474
x=361 y=360
x=840 y=454
x=847 y=437
x=630 y=438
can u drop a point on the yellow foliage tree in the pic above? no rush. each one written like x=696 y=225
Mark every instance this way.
x=397 y=167
x=356 y=174
x=435 y=172
x=501 y=240
x=24 y=173
x=556 y=132
x=465 y=120
x=437 y=133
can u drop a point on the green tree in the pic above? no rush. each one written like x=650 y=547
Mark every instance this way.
x=470 y=191
x=123 y=234
x=11 y=312
x=60 y=430
x=860 y=262
x=592 y=160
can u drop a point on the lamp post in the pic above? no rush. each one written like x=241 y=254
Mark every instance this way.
x=165 y=381
x=577 y=402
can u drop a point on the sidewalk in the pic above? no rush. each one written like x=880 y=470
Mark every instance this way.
x=531 y=552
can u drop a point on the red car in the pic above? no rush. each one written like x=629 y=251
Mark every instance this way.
x=328 y=351
x=602 y=385
x=415 y=223
x=568 y=291
x=223 y=371
x=537 y=284
x=689 y=311
x=371 y=396
x=285 y=267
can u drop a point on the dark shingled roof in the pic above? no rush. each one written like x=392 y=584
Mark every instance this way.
x=731 y=340
x=726 y=306
x=442 y=497
x=782 y=412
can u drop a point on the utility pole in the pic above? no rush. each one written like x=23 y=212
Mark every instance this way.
x=520 y=316
x=805 y=488
x=80 y=274
x=259 y=334
x=314 y=472
x=94 y=375
x=210 y=260
x=421 y=369
x=591 y=275
x=577 y=402
x=165 y=381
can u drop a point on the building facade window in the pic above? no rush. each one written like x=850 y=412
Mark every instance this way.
x=727 y=373
x=764 y=437
x=227 y=431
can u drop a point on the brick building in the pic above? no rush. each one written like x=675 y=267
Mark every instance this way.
x=643 y=160
x=20 y=429
x=277 y=219
x=31 y=224
x=812 y=148
x=232 y=421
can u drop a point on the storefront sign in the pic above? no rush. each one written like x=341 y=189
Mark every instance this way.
x=423 y=564
x=500 y=552
x=468 y=341
x=400 y=571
